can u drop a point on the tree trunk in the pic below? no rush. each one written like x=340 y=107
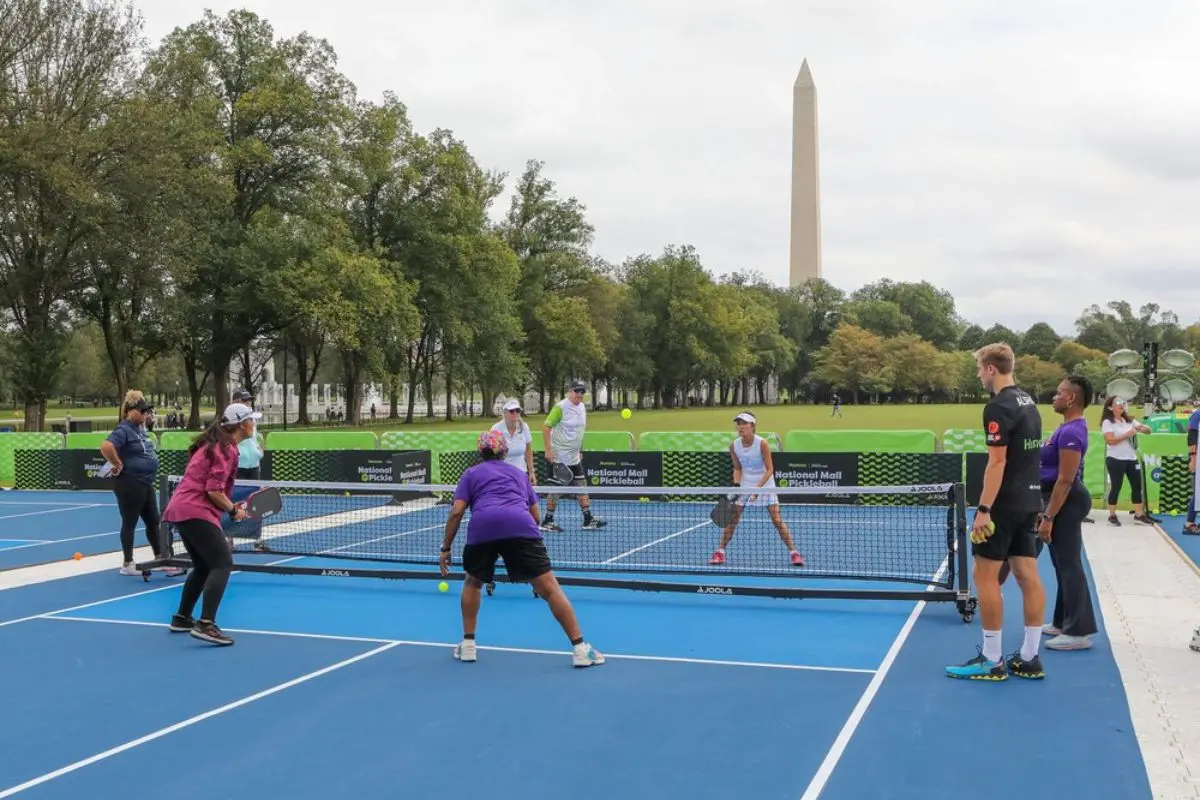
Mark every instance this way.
x=394 y=396
x=428 y=381
x=448 y=361
x=351 y=374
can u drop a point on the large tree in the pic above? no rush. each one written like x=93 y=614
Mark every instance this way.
x=277 y=105
x=65 y=68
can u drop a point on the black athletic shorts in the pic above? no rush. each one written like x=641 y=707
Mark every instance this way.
x=525 y=558
x=1015 y=535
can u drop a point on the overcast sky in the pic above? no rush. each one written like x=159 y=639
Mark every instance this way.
x=1031 y=159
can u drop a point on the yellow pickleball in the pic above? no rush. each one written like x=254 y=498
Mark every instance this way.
x=982 y=536
x=443 y=587
x=626 y=413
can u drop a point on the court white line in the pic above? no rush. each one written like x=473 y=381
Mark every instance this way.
x=53 y=503
x=92 y=604
x=23 y=541
x=187 y=723
x=446 y=645
x=49 y=511
x=829 y=764
x=657 y=541
x=45 y=542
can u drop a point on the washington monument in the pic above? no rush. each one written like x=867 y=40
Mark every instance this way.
x=805 y=256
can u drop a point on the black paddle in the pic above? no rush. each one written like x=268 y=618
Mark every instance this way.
x=722 y=515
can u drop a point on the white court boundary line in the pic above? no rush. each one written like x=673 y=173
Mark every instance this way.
x=44 y=542
x=838 y=748
x=58 y=503
x=190 y=721
x=494 y=648
x=93 y=604
x=51 y=511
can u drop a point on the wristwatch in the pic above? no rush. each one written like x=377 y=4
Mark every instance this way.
x=444 y=550
x=982 y=509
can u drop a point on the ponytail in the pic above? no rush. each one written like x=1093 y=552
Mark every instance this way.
x=215 y=434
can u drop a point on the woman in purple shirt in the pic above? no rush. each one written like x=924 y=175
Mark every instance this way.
x=505 y=520
x=1061 y=525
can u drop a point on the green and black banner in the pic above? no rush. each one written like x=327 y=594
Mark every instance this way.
x=1175 y=484
x=632 y=469
x=79 y=469
x=346 y=466
x=83 y=470
x=41 y=469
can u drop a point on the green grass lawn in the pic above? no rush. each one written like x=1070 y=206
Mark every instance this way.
x=936 y=418
x=779 y=418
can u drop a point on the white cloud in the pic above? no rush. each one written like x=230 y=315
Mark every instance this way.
x=1032 y=159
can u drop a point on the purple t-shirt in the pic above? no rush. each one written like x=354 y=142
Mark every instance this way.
x=499 y=496
x=1071 y=435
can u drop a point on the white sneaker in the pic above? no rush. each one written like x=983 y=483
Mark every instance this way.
x=585 y=655
x=465 y=650
x=1064 y=642
x=130 y=569
x=1050 y=630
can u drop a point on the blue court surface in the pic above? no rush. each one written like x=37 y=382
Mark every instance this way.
x=1188 y=543
x=41 y=527
x=339 y=687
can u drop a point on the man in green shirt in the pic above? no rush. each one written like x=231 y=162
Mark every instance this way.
x=563 y=433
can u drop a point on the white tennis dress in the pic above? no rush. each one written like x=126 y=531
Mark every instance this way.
x=753 y=471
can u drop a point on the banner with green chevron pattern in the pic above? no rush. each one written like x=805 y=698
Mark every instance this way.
x=1175 y=484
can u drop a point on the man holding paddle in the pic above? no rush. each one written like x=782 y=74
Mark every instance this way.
x=563 y=433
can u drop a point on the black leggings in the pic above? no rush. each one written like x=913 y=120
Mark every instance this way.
x=211 y=564
x=1073 y=612
x=1118 y=470
x=137 y=500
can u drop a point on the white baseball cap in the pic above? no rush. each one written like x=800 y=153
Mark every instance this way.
x=512 y=405
x=746 y=416
x=237 y=413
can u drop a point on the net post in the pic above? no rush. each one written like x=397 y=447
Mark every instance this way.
x=963 y=583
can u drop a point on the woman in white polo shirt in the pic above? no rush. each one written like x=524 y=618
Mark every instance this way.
x=1121 y=458
x=519 y=438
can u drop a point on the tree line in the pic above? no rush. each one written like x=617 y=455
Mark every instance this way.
x=174 y=210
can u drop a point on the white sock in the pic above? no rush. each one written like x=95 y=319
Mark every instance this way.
x=1029 y=648
x=991 y=645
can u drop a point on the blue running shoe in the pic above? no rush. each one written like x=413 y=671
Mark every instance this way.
x=979 y=669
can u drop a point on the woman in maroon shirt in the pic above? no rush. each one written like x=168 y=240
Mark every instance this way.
x=195 y=511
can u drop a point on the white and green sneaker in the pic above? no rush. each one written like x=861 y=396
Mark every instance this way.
x=585 y=655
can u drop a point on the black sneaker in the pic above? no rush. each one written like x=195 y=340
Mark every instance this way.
x=209 y=632
x=181 y=624
x=1031 y=669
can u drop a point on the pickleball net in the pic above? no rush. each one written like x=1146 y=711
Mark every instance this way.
x=852 y=539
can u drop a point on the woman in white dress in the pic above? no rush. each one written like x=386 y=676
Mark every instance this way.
x=1121 y=457
x=519 y=438
x=754 y=468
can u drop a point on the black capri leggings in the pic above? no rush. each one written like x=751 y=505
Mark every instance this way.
x=1073 y=612
x=211 y=564
x=137 y=500
x=1118 y=470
